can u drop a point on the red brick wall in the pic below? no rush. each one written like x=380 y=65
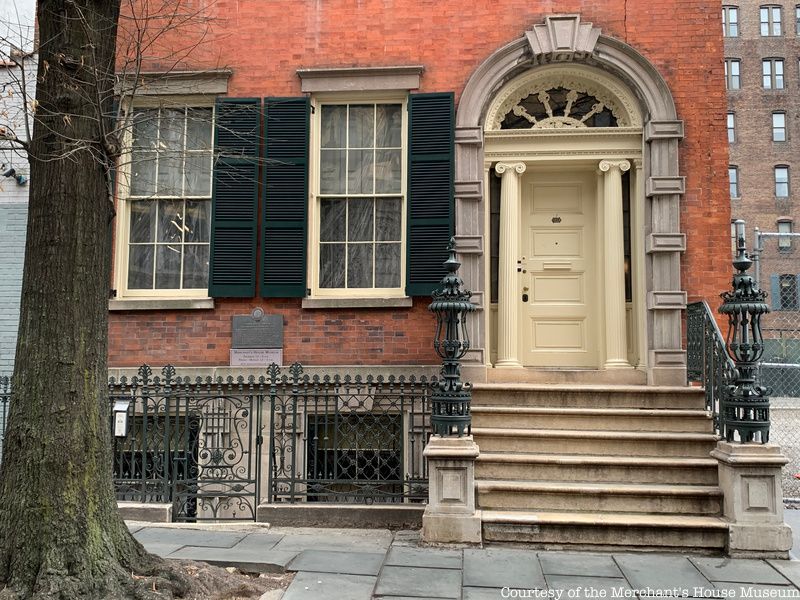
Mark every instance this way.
x=264 y=42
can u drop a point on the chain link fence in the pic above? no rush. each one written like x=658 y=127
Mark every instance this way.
x=777 y=270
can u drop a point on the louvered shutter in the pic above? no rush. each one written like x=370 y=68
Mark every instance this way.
x=430 y=190
x=775 y=291
x=235 y=198
x=283 y=264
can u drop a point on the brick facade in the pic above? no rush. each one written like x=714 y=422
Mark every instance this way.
x=264 y=44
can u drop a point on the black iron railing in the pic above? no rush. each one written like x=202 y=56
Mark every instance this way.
x=347 y=439
x=5 y=396
x=708 y=362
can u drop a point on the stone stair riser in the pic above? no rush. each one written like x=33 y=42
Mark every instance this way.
x=595 y=446
x=608 y=538
x=629 y=503
x=594 y=473
x=588 y=400
x=694 y=424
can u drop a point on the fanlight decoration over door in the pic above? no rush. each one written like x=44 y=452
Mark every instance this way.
x=559 y=108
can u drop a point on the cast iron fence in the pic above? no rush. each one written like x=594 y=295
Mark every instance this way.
x=199 y=444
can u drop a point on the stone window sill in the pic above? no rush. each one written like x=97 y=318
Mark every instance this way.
x=403 y=302
x=161 y=304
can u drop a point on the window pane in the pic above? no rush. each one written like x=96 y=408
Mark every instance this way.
x=143 y=222
x=388 y=171
x=170 y=221
x=145 y=130
x=140 y=268
x=198 y=128
x=359 y=219
x=143 y=174
x=331 y=265
x=171 y=132
x=360 y=171
x=195 y=266
x=359 y=265
x=332 y=220
x=388 y=219
x=198 y=221
x=170 y=174
x=198 y=174
x=332 y=168
x=362 y=126
x=333 y=129
x=389 y=126
x=168 y=266
x=387 y=265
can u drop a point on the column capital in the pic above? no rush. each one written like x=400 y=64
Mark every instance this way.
x=502 y=167
x=607 y=165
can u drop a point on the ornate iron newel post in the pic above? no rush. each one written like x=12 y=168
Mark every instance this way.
x=745 y=407
x=450 y=401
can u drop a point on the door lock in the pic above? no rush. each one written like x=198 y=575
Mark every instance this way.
x=524 y=297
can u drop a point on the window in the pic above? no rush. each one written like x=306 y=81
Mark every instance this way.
x=797 y=20
x=778 y=127
x=730 y=21
x=361 y=202
x=733 y=180
x=787 y=290
x=785 y=241
x=731 y=128
x=770 y=20
x=168 y=206
x=782 y=182
x=772 y=73
x=733 y=80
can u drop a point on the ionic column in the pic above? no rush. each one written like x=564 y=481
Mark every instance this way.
x=614 y=273
x=507 y=318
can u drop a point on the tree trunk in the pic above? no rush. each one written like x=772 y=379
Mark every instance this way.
x=60 y=533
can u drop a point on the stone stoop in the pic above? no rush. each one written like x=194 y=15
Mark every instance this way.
x=597 y=467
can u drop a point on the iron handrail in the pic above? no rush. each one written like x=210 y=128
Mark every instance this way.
x=708 y=361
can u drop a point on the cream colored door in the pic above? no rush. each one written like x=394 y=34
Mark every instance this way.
x=558 y=296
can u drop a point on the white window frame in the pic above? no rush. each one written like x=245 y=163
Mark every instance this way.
x=778 y=128
x=730 y=76
x=731 y=126
x=769 y=74
x=317 y=101
x=772 y=23
x=787 y=182
x=730 y=26
x=733 y=183
x=122 y=230
x=785 y=241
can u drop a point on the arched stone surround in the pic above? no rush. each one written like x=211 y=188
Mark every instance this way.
x=564 y=38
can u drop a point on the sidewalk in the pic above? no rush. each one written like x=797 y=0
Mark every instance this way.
x=359 y=564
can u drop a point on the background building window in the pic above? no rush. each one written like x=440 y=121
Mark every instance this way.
x=733 y=179
x=730 y=21
x=772 y=73
x=731 y=128
x=782 y=182
x=361 y=196
x=778 y=127
x=785 y=241
x=733 y=80
x=169 y=204
x=787 y=288
x=770 y=20
x=797 y=20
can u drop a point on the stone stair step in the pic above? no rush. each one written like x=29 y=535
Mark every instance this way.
x=631 y=469
x=630 y=419
x=606 y=531
x=587 y=396
x=598 y=497
x=616 y=443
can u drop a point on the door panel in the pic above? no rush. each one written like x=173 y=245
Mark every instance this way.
x=559 y=318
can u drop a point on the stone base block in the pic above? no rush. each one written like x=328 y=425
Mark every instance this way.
x=451 y=529
x=146 y=512
x=759 y=541
x=359 y=516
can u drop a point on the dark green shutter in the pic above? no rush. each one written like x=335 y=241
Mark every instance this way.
x=283 y=264
x=235 y=198
x=430 y=189
x=775 y=291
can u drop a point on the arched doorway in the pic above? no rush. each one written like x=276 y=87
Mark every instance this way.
x=578 y=312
